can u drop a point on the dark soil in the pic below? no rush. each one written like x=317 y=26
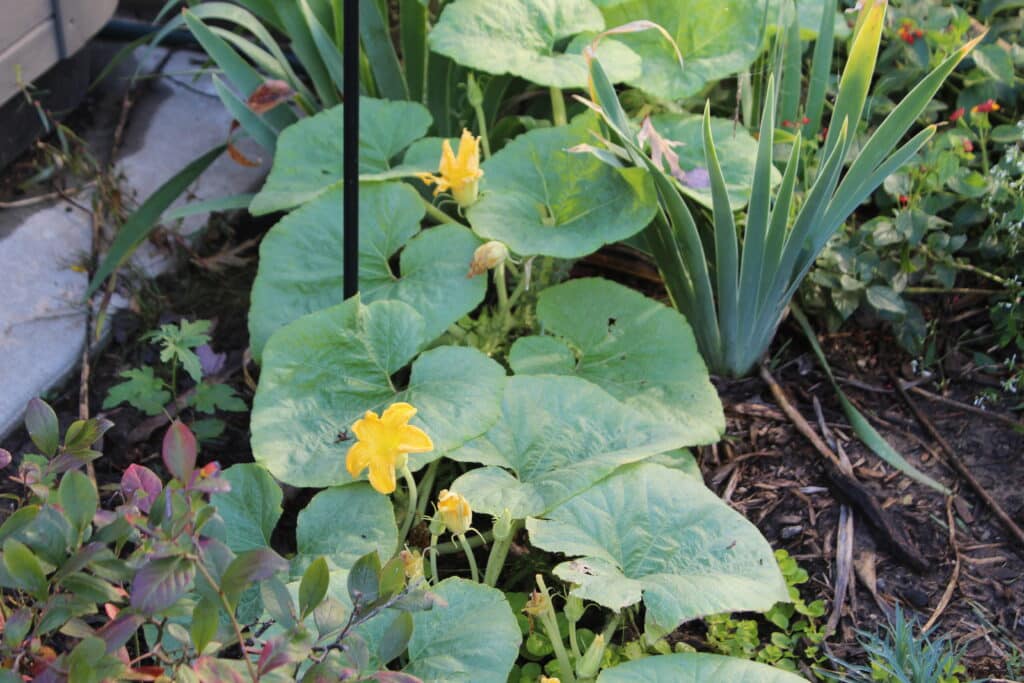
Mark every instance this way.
x=764 y=468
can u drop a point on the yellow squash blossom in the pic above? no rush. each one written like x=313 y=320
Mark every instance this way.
x=455 y=511
x=459 y=174
x=546 y=679
x=384 y=444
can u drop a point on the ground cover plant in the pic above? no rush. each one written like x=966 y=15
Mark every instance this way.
x=495 y=457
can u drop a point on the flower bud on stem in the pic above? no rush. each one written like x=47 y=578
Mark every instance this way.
x=545 y=611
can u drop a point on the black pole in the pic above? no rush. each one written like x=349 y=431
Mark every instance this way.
x=350 y=164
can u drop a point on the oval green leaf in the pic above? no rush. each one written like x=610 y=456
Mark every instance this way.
x=539 y=198
x=369 y=524
x=640 y=351
x=324 y=371
x=695 y=667
x=475 y=639
x=656 y=533
x=522 y=37
x=557 y=437
x=717 y=38
x=301 y=266
x=251 y=508
x=309 y=153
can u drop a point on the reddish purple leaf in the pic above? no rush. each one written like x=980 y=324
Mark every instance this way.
x=5 y=458
x=273 y=656
x=160 y=583
x=141 y=486
x=253 y=566
x=394 y=677
x=212 y=670
x=42 y=426
x=211 y=361
x=179 y=451
x=119 y=631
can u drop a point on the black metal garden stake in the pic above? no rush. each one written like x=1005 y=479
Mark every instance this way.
x=350 y=164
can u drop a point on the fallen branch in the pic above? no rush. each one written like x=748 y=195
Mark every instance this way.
x=968 y=408
x=842 y=477
x=961 y=468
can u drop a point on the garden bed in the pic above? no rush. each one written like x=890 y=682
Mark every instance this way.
x=764 y=467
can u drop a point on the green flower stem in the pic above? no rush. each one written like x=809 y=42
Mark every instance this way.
x=573 y=642
x=433 y=558
x=426 y=488
x=481 y=122
x=457 y=332
x=437 y=214
x=504 y=309
x=558 y=107
x=550 y=623
x=983 y=135
x=410 y=512
x=497 y=556
x=469 y=556
x=452 y=547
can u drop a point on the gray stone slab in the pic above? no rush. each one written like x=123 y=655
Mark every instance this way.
x=42 y=318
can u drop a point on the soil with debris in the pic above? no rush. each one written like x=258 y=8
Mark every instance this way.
x=764 y=467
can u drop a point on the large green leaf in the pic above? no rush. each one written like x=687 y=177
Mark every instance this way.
x=539 y=198
x=737 y=153
x=557 y=437
x=638 y=350
x=696 y=667
x=301 y=266
x=522 y=37
x=309 y=153
x=656 y=533
x=368 y=524
x=251 y=508
x=717 y=38
x=323 y=371
x=475 y=639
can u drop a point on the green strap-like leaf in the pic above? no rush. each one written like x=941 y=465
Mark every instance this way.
x=865 y=431
x=727 y=267
x=376 y=40
x=146 y=217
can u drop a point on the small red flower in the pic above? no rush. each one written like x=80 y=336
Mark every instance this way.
x=956 y=115
x=907 y=33
x=985 y=107
x=788 y=124
x=904 y=200
x=804 y=121
x=968 y=146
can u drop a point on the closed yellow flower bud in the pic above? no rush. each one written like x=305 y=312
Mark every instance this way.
x=455 y=511
x=547 y=679
x=487 y=256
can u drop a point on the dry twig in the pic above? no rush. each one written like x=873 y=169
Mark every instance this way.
x=962 y=469
x=951 y=586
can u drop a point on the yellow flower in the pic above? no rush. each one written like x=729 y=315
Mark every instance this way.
x=455 y=511
x=412 y=563
x=384 y=444
x=545 y=679
x=461 y=174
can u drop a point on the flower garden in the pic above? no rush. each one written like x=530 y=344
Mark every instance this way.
x=686 y=347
